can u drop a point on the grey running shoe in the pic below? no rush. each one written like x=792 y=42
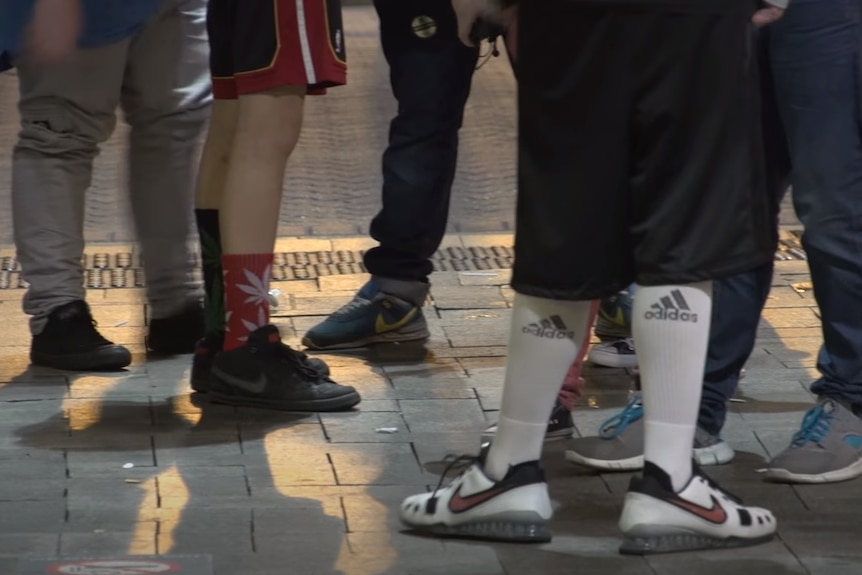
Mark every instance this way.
x=620 y=444
x=827 y=448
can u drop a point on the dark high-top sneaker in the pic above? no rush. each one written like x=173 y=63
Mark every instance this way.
x=71 y=341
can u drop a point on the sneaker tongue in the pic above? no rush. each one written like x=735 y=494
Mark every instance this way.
x=368 y=291
x=267 y=335
x=76 y=309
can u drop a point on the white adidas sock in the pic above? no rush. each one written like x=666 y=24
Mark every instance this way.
x=671 y=331
x=543 y=343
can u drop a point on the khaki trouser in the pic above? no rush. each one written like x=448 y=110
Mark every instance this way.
x=160 y=79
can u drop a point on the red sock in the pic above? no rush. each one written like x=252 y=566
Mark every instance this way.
x=246 y=283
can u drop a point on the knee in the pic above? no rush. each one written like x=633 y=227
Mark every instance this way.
x=183 y=114
x=53 y=127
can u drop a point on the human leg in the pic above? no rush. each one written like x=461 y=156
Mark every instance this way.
x=255 y=368
x=816 y=61
x=430 y=75
x=166 y=100
x=66 y=110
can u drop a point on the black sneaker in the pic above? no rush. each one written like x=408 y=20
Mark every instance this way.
x=267 y=373
x=209 y=346
x=71 y=341
x=560 y=425
x=177 y=334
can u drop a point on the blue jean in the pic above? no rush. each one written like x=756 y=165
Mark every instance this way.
x=817 y=62
x=431 y=75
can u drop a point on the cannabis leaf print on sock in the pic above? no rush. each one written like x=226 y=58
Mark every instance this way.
x=247 y=280
x=257 y=287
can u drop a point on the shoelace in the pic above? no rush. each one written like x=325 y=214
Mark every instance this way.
x=465 y=461
x=815 y=426
x=89 y=326
x=356 y=303
x=299 y=361
x=714 y=485
x=614 y=426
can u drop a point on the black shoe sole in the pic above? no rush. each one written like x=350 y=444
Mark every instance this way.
x=201 y=374
x=106 y=359
x=339 y=403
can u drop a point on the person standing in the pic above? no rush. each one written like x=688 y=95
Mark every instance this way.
x=664 y=149
x=147 y=57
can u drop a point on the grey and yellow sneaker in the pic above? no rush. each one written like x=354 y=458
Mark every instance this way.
x=373 y=316
x=620 y=444
x=826 y=449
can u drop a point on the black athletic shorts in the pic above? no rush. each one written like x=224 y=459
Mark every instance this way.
x=640 y=147
x=262 y=45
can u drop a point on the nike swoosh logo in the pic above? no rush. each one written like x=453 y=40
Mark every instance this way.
x=716 y=514
x=255 y=386
x=458 y=504
x=382 y=326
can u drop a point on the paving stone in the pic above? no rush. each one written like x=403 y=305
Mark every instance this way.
x=816 y=565
x=440 y=415
x=33 y=489
x=484 y=332
x=366 y=427
x=792 y=317
x=410 y=387
x=468 y=297
x=23 y=544
x=31 y=516
x=140 y=541
x=376 y=464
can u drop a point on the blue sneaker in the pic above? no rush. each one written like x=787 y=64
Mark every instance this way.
x=371 y=317
x=827 y=448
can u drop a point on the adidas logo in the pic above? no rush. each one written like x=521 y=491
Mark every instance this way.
x=551 y=328
x=671 y=307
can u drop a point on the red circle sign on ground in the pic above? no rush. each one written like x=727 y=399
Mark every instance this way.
x=114 y=567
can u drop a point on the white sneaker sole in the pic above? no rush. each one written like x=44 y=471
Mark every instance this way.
x=651 y=526
x=718 y=454
x=784 y=476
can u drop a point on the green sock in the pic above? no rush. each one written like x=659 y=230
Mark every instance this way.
x=209 y=233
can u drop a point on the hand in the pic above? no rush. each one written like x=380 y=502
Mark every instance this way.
x=467 y=12
x=54 y=30
x=768 y=15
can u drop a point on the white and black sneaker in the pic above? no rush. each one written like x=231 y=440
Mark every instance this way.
x=656 y=519
x=474 y=506
x=620 y=354
x=560 y=425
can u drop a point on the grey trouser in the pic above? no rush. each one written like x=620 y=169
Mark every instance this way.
x=160 y=78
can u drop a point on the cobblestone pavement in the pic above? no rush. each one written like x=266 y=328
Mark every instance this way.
x=333 y=182
x=97 y=465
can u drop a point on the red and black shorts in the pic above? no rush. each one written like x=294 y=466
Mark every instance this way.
x=261 y=45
